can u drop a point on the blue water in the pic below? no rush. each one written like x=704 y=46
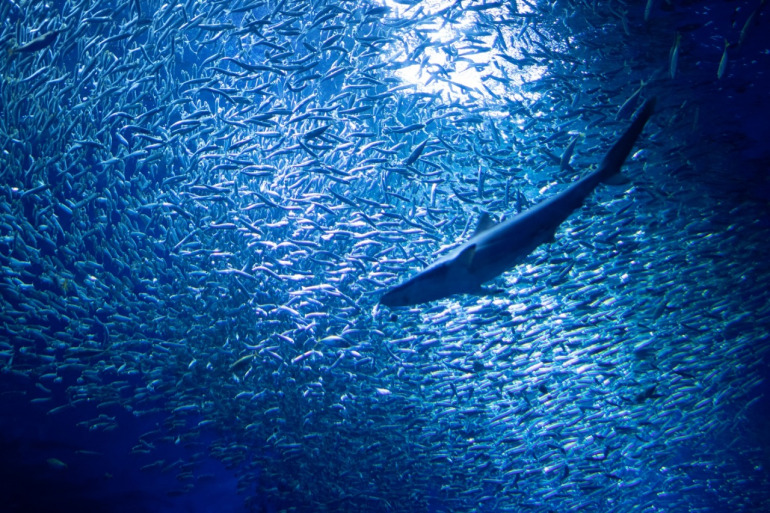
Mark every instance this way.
x=203 y=202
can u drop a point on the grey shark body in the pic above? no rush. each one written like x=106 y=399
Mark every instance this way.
x=495 y=249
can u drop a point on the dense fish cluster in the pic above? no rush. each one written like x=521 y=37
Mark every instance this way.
x=202 y=202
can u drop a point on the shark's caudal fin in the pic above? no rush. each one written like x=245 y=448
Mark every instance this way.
x=614 y=159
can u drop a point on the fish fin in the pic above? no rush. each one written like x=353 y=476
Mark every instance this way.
x=485 y=291
x=617 y=179
x=478 y=290
x=569 y=169
x=614 y=159
x=465 y=258
x=567 y=155
x=549 y=236
x=485 y=223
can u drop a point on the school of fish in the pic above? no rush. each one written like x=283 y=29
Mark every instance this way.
x=202 y=203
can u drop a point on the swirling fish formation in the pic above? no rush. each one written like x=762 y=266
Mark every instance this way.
x=201 y=203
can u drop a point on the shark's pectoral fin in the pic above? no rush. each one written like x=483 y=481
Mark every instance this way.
x=465 y=258
x=547 y=235
x=617 y=179
x=485 y=291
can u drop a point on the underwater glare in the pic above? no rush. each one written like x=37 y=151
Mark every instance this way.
x=384 y=256
x=429 y=56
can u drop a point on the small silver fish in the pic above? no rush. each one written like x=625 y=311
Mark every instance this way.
x=675 y=55
x=723 y=61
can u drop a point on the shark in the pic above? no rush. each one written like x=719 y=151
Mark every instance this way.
x=495 y=248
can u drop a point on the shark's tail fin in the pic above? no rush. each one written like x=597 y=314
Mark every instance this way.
x=620 y=150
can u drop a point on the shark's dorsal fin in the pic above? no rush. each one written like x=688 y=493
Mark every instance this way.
x=465 y=258
x=485 y=223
